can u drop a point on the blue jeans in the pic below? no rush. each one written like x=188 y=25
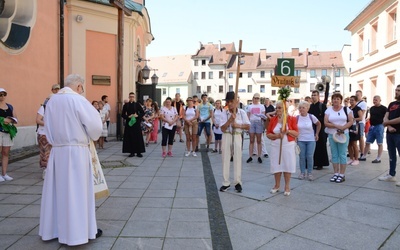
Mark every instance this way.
x=393 y=143
x=205 y=125
x=339 y=150
x=307 y=149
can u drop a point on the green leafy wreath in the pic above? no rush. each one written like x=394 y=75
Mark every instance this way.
x=284 y=93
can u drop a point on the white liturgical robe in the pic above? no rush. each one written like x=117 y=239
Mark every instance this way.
x=68 y=203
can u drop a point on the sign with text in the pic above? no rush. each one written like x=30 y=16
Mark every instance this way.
x=282 y=81
x=284 y=75
x=285 y=67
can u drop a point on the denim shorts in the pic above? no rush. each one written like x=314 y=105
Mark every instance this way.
x=361 y=128
x=375 y=133
x=256 y=127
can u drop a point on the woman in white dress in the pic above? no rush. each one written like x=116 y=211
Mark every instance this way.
x=104 y=116
x=287 y=137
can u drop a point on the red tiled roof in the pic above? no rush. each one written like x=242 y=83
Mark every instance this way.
x=218 y=56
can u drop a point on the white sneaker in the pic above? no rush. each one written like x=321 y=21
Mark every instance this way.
x=387 y=177
x=187 y=154
x=1 y=178
x=7 y=177
x=194 y=154
x=44 y=173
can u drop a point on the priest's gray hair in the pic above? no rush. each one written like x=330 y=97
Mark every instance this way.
x=73 y=80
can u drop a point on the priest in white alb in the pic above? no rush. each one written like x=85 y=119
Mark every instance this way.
x=68 y=202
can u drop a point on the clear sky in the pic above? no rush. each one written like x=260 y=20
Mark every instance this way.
x=276 y=25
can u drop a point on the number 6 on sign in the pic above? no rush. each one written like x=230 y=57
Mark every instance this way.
x=285 y=67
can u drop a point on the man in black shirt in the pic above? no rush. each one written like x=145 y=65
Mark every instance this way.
x=317 y=109
x=392 y=123
x=375 y=132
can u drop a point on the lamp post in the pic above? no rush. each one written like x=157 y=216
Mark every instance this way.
x=145 y=73
x=154 y=82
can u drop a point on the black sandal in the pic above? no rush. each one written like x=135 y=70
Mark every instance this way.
x=334 y=178
x=340 y=179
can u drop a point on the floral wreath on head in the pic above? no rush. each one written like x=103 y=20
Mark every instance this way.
x=284 y=93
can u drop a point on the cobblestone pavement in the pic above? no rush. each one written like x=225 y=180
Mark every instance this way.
x=174 y=203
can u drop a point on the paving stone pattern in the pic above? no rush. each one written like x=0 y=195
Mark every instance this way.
x=174 y=203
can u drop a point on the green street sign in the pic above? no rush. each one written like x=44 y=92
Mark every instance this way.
x=285 y=67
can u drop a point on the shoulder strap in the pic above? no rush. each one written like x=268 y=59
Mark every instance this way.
x=345 y=111
x=309 y=115
x=297 y=117
x=10 y=107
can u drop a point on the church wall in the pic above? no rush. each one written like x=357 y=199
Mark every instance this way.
x=101 y=47
x=29 y=73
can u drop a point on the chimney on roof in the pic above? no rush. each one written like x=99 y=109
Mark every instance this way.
x=263 y=54
x=295 y=52
x=201 y=45
x=314 y=53
x=306 y=58
x=219 y=45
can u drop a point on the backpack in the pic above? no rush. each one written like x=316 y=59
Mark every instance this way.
x=186 y=107
x=219 y=109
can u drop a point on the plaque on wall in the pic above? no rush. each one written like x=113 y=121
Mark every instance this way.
x=101 y=80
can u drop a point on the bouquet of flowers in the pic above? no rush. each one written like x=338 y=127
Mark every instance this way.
x=284 y=93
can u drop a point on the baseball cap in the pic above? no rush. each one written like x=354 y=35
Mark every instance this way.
x=3 y=90
x=55 y=86
x=256 y=95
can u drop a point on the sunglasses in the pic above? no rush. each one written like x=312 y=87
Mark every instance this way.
x=256 y=97
x=3 y=94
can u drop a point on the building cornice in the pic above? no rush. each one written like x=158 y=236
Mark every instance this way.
x=377 y=64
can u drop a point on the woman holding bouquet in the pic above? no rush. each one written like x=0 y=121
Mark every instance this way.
x=282 y=131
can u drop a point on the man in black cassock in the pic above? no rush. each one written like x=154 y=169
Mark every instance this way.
x=318 y=108
x=133 y=139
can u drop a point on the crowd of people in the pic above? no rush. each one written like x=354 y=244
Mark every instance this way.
x=309 y=129
x=312 y=127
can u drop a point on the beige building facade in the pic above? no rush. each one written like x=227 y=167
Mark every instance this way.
x=30 y=61
x=375 y=50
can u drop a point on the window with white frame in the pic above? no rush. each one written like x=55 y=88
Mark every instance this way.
x=198 y=89
x=203 y=75
x=374 y=36
x=210 y=75
x=196 y=75
x=203 y=62
x=312 y=73
x=392 y=25
x=337 y=73
x=249 y=88
x=230 y=87
x=324 y=72
x=262 y=74
x=208 y=89
x=220 y=89
x=221 y=74
x=262 y=88
x=196 y=62
x=249 y=74
x=230 y=75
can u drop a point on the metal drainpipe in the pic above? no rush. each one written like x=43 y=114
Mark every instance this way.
x=62 y=43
